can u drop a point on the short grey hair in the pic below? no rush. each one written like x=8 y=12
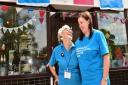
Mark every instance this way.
x=64 y=27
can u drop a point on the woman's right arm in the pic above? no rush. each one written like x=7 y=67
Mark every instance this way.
x=51 y=66
x=53 y=71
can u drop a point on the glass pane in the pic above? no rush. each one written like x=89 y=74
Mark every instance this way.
x=23 y=40
x=114 y=28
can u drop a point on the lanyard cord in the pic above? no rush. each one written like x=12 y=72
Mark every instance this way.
x=66 y=60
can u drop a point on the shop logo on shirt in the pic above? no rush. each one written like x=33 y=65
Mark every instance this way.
x=81 y=50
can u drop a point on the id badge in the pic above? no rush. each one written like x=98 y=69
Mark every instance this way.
x=67 y=74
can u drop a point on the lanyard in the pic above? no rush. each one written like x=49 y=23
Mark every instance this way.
x=66 y=60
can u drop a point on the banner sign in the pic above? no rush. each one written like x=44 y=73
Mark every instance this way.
x=111 y=4
x=34 y=2
x=84 y=2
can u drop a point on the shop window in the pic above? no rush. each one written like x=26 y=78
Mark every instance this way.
x=23 y=40
x=58 y=19
x=114 y=28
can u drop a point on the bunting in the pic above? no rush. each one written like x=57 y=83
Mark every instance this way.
x=4 y=8
x=113 y=19
x=16 y=28
x=40 y=16
x=41 y=13
x=18 y=9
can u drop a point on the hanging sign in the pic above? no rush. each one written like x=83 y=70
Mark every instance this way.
x=44 y=3
x=111 y=4
x=84 y=2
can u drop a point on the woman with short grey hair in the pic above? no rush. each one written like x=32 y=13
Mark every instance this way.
x=65 y=56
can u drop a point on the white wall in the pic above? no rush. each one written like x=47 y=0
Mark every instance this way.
x=96 y=3
x=65 y=2
x=126 y=4
x=7 y=0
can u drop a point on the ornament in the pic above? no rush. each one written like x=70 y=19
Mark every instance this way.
x=4 y=8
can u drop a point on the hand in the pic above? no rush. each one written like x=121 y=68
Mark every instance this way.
x=47 y=65
x=56 y=81
x=103 y=82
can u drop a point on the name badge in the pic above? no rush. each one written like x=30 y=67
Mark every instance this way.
x=67 y=75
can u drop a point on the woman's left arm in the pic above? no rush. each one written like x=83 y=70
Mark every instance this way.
x=106 y=63
x=106 y=66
